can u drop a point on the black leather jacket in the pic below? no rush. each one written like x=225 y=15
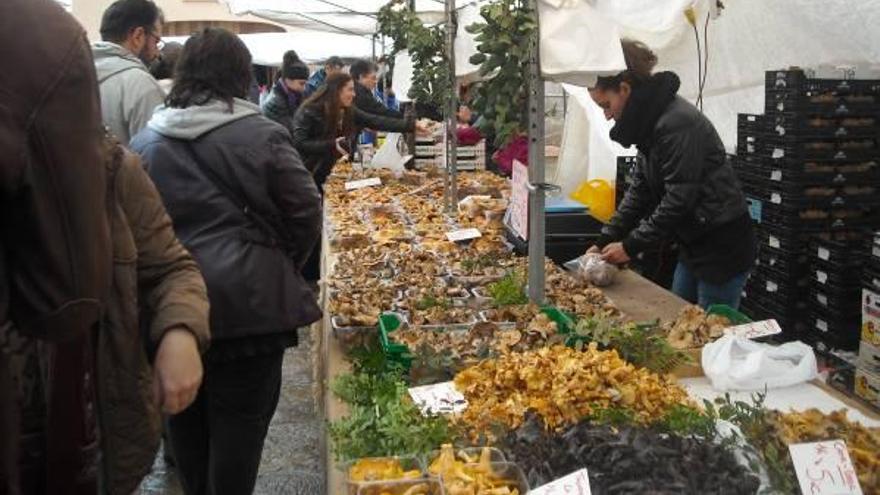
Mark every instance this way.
x=317 y=151
x=683 y=187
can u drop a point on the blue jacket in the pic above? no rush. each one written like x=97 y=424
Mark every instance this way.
x=315 y=82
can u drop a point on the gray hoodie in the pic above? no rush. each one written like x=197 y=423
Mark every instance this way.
x=192 y=122
x=129 y=94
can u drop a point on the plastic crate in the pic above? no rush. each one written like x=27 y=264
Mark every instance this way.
x=837 y=255
x=839 y=149
x=812 y=172
x=845 y=298
x=802 y=221
x=782 y=261
x=824 y=126
x=734 y=316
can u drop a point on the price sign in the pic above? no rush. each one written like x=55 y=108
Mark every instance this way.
x=576 y=483
x=755 y=329
x=463 y=235
x=824 y=468
x=360 y=184
x=439 y=398
x=519 y=201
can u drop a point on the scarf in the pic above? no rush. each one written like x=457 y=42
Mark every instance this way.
x=293 y=98
x=645 y=106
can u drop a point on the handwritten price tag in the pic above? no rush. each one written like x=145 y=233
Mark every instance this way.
x=439 y=398
x=755 y=329
x=360 y=184
x=824 y=468
x=576 y=483
x=519 y=200
x=463 y=235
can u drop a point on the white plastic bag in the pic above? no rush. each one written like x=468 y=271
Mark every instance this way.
x=566 y=27
x=388 y=155
x=736 y=363
x=593 y=269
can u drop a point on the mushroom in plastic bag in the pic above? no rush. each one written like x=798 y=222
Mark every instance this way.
x=592 y=268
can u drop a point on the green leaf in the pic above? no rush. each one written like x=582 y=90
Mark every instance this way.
x=477 y=58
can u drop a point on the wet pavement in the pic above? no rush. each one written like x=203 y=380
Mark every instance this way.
x=291 y=462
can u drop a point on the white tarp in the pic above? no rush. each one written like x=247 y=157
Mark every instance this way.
x=349 y=16
x=311 y=46
x=750 y=37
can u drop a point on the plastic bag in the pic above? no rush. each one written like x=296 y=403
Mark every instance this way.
x=593 y=269
x=389 y=157
x=737 y=363
x=566 y=26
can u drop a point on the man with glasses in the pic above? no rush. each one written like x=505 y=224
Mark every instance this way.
x=131 y=31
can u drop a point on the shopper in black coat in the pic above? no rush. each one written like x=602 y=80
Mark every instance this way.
x=248 y=210
x=287 y=93
x=684 y=188
x=322 y=144
x=366 y=79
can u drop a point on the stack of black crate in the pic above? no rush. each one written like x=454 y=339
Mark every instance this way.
x=809 y=168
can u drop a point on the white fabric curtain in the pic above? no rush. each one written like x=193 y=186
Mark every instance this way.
x=750 y=37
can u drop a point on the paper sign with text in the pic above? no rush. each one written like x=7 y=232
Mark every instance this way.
x=519 y=201
x=755 y=329
x=824 y=468
x=360 y=184
x=576 y=483
x=439 y=398
x=463 y=235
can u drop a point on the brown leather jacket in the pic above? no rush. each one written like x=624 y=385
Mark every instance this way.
x=156 y=286
x=54 y=240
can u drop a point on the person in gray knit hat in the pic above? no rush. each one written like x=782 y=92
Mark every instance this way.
x=287 y=94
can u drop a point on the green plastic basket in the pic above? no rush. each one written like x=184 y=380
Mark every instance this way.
x=735 y=317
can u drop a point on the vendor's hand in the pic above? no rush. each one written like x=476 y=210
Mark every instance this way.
x=594 y=249
x=177 y=372
x=615 y=254
x=422 y=128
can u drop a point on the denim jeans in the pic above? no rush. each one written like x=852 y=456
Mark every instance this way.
x=690 y=288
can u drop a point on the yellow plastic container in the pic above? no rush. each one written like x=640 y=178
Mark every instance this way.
x=598 y=196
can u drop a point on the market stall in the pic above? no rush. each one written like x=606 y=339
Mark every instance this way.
x=390 y=267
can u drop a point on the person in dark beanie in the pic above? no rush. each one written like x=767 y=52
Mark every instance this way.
x=287 y=94
x=683 y=189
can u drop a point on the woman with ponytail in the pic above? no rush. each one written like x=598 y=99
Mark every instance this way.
x=287 y=94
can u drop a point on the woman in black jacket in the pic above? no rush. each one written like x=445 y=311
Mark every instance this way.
x=324 y=129
x=683 y=188
x=287 y=93
x=326 y=123
x=247 y=209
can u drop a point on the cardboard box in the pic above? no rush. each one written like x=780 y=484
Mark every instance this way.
x=869 y=357
x=871 y=317
x=867 y=386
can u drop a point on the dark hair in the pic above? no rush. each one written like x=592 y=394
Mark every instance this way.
x=334 y=61
x=361 y=68
x=339 y=121
x=163 y=66
x=124 y=16
x=292 y=67
x=214 y=64
x=640 y=62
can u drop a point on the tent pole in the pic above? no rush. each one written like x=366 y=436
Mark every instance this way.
x=451 y=190
x=536 y=167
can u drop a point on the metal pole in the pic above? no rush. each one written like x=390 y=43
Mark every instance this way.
x=374 y=47
x=536 y=167
x=451 y=109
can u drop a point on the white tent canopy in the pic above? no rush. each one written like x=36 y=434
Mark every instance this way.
x=344 y=16
x=750 y=37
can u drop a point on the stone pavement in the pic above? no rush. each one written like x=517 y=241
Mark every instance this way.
x=291 y=463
